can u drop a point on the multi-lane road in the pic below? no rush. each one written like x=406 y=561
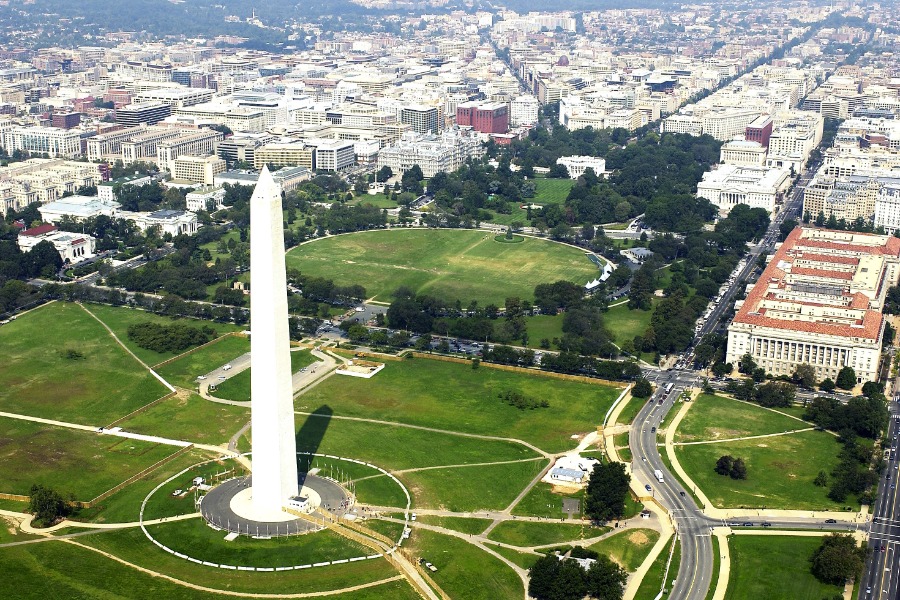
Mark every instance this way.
x=881 y=580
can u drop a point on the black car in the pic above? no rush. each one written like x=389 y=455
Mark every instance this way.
x=831 y=521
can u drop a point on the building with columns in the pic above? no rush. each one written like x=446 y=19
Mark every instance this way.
x=818 y=302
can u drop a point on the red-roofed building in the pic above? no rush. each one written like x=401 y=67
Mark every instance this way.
x=72 y=247
x=818 y=302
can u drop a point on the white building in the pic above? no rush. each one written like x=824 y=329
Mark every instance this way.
x=523 y=111
x=78 y=208
x=194 y=143
x=106 y=190
x=57 y=143
x=819 y=302
x=433 y=153
x=577 y=165
x=729 y=185
x=333 y=155
x=743 y=153
x=887 y=208
x=205 y=199
x=72 y=247
x=174 y=222
x=197 y=169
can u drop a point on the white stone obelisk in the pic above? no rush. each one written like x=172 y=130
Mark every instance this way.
x=274 y=456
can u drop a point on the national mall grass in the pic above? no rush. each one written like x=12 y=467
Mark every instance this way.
x=464 y=265
x=714 y=417
x=456 y=397
x=94 y=384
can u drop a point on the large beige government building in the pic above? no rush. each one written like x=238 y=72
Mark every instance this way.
x=819 y=302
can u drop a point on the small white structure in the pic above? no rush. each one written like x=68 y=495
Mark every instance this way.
x=570 y=469
x=577 y=165
x=206 y=198
x=72 y=247
x=570 y=475
x=299 y=503
x=638 y=255
x=360 y=368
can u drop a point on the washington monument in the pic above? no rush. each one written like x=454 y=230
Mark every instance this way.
x=274 y=460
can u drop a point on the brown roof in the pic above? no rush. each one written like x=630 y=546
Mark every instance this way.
x=39 y=230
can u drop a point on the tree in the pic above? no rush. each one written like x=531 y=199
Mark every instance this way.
x=827 y=385
x=821 y=479
x=47 y=505
x=605 y=579
x=738 y=469
x=542 y=578
x=805 y=375
x=846 y=378
x=607 y=491
x=724 y=464
x=747 y=364
x=838 y=559
x=642 y=388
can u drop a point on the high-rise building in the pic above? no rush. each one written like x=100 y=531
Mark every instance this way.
x=490 y=117
x=422 y=119
x=147 y=113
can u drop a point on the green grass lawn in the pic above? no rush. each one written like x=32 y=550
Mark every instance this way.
x=70 y=461
x=715 y=417
x=543 y=327
x=630 y=410
x=522 y=559
x=189 y=418
x=541 y=501
x=775 y=568
x=464 y=265
x=395 y=447
x=717 y=560
x=195 y=538
x=526 y=534
x=238 y=387
x=133 y=546
x=463 y=489
x=653 y=580
x=118 y=318
x=516 y=214
x=464 y=571
x=780 y=471
x=184 y=371
x=39 y=379
x=60 y=570
x=625 y=324
x=551 y=191
x=456 y=397
x=621 y=442
x=461 y=524
x=628 y=549
x=124 y=506
x=379 y=200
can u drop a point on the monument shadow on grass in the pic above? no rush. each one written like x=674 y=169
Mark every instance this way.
x=309 y=438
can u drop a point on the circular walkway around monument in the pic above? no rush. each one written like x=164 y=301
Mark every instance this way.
x=230 y=495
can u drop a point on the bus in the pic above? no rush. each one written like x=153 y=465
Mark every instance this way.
x=669 y=388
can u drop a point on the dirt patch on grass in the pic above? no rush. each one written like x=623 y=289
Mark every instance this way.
x=639 y=538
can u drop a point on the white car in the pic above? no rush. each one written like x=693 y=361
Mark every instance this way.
x=226 y=368
x=201 y=377
x=178 y=492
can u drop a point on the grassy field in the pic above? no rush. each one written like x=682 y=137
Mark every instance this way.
x=68 y=460
x=715 y=417
x=526 y=534
x=124 y=506
x=61 y=570
x=541 y=501
x=785 y=563
x=622 y=449
x=184 y=371
x=464 y=571
x=543 y=327
x=717 y=560
x=629 y=548
x=463 y=489
x=379 y=200
x=131 y=545
x=238 y=387
x=97 y=385
x=195 y=538
x=455 y=397
x=624 y=323
x=190 y=418
x=118 y=318
x=396 y=447
x=522 y=559
x=551 y=191
x=461 y=524
x=779 y=471
x=463 y=265
x=653 y=580
x=631 y=410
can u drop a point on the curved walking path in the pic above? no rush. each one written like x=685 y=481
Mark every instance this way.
x=746 y=437
x=210 y=590
x=25 y=520
x=124 y=347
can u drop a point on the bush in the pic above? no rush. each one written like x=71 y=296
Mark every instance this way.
x=47 y=505
x=169 y=338
x=520 y=400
